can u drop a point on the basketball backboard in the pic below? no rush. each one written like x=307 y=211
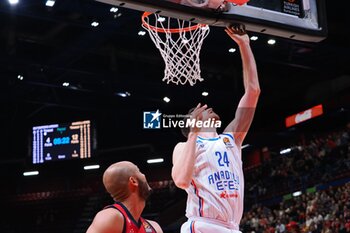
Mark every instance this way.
x=303 y=20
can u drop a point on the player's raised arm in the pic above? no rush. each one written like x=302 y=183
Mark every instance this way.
x=246 y=107
x=184 y=154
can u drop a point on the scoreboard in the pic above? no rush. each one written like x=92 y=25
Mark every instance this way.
x=61 y=142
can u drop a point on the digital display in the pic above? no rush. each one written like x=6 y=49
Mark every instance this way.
x=61 y=142
x=293 y=7
x=304 y=116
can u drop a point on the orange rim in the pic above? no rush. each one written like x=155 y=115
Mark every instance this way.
x=170 y=30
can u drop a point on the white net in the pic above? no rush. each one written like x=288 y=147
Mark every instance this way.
x=179 y=43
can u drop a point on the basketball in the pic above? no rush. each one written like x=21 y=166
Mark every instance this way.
x=238 y=2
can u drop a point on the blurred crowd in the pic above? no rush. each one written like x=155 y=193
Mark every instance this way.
x=314 y=161
x=317 y=160
x=326 y=211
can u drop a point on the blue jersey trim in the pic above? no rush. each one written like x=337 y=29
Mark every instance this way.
x=208 y=139
x=200 y=200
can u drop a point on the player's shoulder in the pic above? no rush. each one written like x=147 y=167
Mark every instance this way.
x=107 y=220
x=228 y=134
x=180 y=144
x=233 y=137
x=178 y=150
x=110 y=213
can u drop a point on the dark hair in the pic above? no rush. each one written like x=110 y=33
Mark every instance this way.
x=186 y=130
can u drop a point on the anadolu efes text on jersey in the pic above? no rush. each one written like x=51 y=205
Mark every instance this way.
x=224 y=180
x=217 y=187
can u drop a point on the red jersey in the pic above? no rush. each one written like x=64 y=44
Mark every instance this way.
x=130 y=224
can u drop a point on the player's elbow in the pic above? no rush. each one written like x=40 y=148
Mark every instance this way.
x=182 y=184
x=257 y=91
x=254 y=92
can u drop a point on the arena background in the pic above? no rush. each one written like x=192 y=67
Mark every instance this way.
x=114 y=75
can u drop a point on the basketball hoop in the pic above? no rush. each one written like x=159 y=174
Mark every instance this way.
x=179 y=43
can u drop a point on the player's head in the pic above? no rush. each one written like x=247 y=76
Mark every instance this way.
x=207 y=114
x=123 y=179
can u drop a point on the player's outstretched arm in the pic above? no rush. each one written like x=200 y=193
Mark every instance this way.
x=107 y=221
x=246 y=108
x=184 y=154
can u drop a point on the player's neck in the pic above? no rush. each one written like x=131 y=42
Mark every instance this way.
x=135 y=206
x=208 y=133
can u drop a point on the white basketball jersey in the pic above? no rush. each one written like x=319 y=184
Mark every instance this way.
x=217 y=188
